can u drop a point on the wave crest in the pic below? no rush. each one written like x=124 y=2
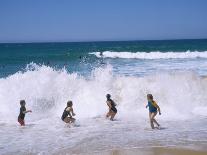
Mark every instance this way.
x=151 y=55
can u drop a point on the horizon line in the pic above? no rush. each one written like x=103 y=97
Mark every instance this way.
x=90 y=41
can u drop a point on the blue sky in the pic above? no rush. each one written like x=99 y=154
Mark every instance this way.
x=96 y=20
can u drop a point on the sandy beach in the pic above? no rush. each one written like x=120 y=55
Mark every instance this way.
x=146 y=151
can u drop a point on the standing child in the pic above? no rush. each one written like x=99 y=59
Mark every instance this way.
x=68 y=113
x=22 y=113
x=112 y=107
x=153 y=107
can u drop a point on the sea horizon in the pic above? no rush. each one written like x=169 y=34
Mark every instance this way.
x=94 y=41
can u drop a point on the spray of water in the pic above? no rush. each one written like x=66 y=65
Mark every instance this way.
x=181 y=95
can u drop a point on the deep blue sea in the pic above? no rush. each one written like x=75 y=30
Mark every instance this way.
x=47 y=75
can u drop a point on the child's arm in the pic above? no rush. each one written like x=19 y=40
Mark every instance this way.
x=115 y=103
x=27 y=111
x=71 y=110
x=155 y=104
x=109 y=104
x=159 y=110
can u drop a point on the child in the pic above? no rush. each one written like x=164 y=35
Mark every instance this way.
x=112 y=107
x=22 y=113
x=153 y=107
x=68 y=112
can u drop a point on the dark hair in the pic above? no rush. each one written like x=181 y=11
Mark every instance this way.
x=150 y=96
x=69 y=103
x=108 y=96
x=22 y=102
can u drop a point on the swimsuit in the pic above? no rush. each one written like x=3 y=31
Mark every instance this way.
x=21 y=116
x=152 y=106
x=113 y=105
x=66 y=112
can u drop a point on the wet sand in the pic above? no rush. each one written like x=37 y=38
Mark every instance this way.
x=144 y=151
x=130 y=151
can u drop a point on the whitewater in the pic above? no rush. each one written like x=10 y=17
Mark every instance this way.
x=181 y=95
x=152 y=55
x=47 y=75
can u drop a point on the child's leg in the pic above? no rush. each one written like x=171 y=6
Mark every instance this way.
x=72 y=120
x=151 y=121
x=112 y=116
x=108 y=114
x=153 y=118
x=21 y=122
x=67 y=120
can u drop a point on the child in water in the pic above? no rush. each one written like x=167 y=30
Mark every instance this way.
x=112 y=107
x=68 y=113
x=153 y=107
x=22 y=113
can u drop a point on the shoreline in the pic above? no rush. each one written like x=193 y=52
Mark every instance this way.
x=146 y=151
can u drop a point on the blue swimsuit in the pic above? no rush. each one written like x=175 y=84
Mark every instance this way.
x=152 y=108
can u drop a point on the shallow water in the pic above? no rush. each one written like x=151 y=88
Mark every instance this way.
x=98 y=134
x=181 y=96
x=48 y=75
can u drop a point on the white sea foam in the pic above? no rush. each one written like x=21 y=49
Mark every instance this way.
x=152 y=55
x=47 y=90
x=181 y=96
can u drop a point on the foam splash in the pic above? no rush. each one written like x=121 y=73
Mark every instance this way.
x=151 y=55
x=46 y=91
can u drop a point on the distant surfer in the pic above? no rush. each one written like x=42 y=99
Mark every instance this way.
x=101 y=54
x=102 y=57
x=22 y=113
x=153 y=108
x=112 y=107
x=68 y=113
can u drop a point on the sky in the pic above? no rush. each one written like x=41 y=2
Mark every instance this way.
x=101 y=20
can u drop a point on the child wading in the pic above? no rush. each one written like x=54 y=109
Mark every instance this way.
x=68 y=113
x=153 y=107
x=22 y=113
x=112 y=107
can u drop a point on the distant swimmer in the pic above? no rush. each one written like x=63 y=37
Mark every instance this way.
x=101 y=54
x=22 y=113
x=153 y=107
x=68 y=113
x=112 y=107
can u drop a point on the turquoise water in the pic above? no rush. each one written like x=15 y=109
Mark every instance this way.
x=76 y=58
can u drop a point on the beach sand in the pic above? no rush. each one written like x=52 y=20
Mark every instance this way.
x=144 y=151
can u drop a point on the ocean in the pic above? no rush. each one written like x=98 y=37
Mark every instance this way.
x=47 y=75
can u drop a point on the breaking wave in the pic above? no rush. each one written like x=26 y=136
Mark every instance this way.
x=47 y=90
x=151 y=55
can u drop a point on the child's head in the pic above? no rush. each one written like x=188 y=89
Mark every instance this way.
x=69 y=104
x=149 y=97
x=108 y=96
x=22 y=102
